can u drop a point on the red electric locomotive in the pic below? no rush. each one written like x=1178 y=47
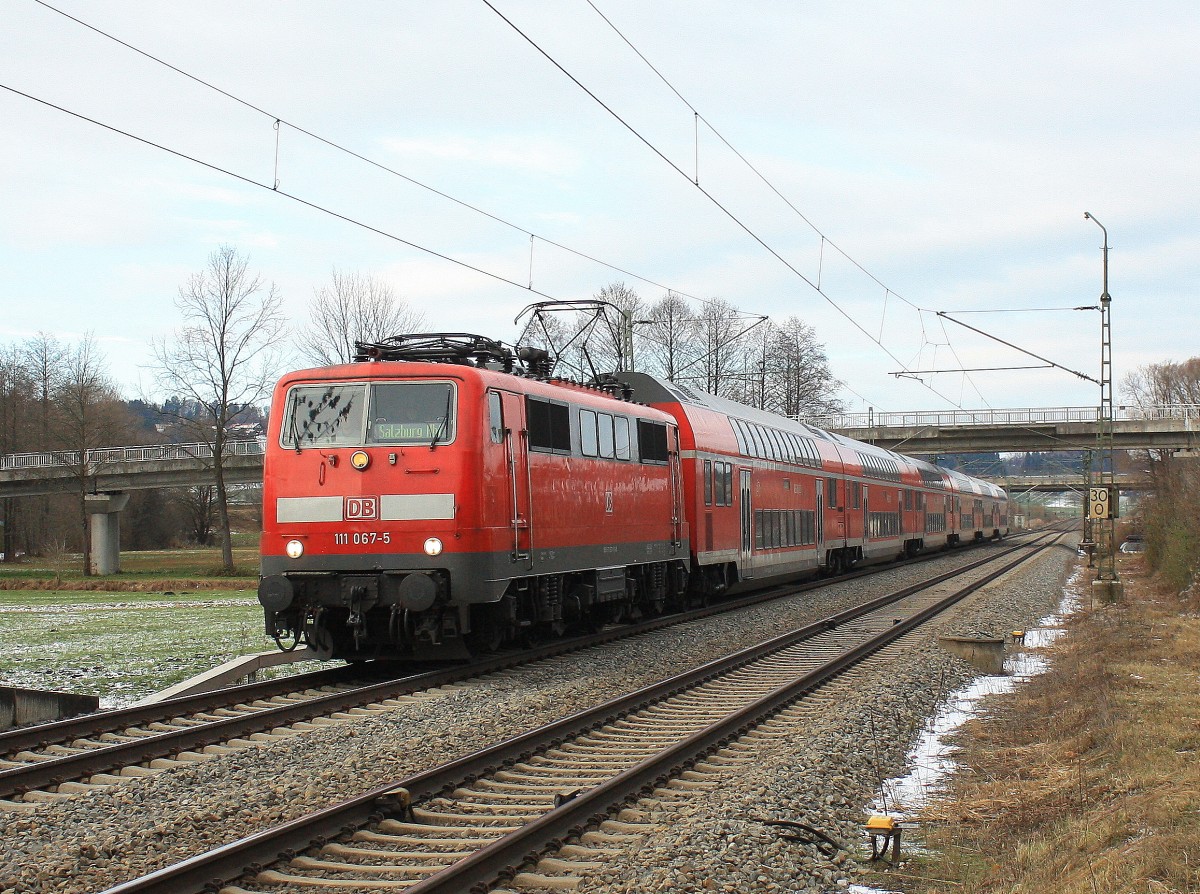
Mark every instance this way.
x=433 y=500
x=446 y=504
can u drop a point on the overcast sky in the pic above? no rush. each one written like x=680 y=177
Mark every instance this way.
x=948 y=151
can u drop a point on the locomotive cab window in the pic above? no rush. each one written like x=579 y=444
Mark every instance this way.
x=349 y=415
x=411 y=413
x=324 y=416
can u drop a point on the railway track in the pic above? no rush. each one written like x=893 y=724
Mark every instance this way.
x=501 y=816
x=81 y=754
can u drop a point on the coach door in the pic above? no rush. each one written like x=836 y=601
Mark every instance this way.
x=676 y=494
x=516 y=447
x=747 y=506
x=866 y=520
x=819 y=527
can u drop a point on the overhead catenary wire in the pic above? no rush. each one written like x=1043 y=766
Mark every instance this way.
x=250 y=181
x=708 y=195
x=888 y=292
x=278 y=122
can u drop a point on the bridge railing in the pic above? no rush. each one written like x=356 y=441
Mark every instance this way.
x=1020 y=416
x=115 y=455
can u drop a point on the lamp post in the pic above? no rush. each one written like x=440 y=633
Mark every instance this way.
x=1106 y=584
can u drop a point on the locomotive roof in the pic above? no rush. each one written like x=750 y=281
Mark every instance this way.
x=544 y=386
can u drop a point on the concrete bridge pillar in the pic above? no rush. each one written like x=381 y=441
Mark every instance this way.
x=104 y=511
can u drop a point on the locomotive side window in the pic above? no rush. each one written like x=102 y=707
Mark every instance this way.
x=652 y=441
x=411 y=413
x=495 y=417
x=621 y=433
x=589 y=442
x=606 y=435
x=324 y=415
x=549 y=425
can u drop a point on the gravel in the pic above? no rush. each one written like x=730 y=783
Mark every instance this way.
x=822 y=776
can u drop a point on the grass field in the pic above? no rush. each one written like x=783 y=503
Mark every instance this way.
x=168 y=615
x=1085 y=779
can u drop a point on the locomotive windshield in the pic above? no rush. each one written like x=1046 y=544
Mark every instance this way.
x=352 y=415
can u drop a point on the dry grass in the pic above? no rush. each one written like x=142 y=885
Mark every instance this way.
x=1086 y=780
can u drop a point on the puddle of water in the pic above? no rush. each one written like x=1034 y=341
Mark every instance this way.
x=932 y=759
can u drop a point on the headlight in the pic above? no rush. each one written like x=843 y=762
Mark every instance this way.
x=359 y=459
x=295 y=549
x=433 y=547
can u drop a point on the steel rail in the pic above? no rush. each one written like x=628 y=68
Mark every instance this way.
x=223 y=865
x=100 y=722
x=53 y=771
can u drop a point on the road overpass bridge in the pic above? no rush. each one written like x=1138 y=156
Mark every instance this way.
x=932 y=432
x=1067 y=483
x=113 y=469
x=106 y=475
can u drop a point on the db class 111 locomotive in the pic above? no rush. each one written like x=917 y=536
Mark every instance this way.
x=444 y=496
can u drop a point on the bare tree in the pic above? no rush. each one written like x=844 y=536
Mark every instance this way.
x=608 y=345
x=15 y=387
x=669 y=341
x=44 y=357
x=225 y=357
x=1171 y=512
x=1164 y=384
x=87 y=415
x=354 y=307
x=198 y=507
x=798 y=379
x=721 y=363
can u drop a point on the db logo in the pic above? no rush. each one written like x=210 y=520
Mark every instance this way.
x=362 y=508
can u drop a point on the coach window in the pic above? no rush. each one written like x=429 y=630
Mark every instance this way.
x=777 y=451
x=621 y=437
x=728 y=477
x=588 y=442
x=495 y=417
x=831 y=493
x=708 y=482
x=606 y=435
x=908 y=503
x=740 y=434
x=797 y=450
x=759 y=440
